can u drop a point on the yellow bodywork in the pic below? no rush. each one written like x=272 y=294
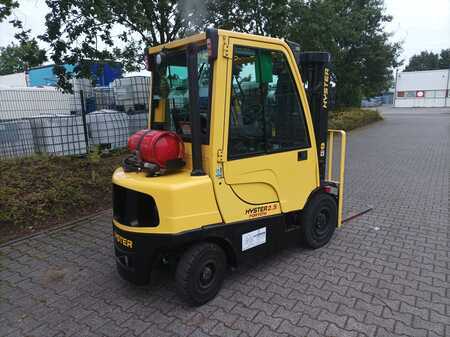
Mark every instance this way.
x=183 y=201
x=234 y=190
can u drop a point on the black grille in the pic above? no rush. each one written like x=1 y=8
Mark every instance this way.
x=131 y=208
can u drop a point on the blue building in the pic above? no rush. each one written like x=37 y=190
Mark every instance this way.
x=44 y=75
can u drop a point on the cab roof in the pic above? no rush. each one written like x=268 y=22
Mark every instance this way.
x=202 y=36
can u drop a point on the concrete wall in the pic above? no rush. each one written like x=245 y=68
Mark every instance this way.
x=429 y=88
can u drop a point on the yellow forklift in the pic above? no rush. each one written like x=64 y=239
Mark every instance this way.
x=237 y=161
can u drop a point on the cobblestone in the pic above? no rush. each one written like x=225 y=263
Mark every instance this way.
x=385 y=273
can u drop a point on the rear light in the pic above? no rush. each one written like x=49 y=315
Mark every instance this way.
x=331 y=190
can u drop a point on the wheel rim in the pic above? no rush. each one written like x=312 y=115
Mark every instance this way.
x=322 y=224
x=207 y=275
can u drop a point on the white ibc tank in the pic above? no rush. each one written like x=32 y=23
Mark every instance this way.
x=16 y=138
x=131 y=92
x=107 y=128
x=59 y=135
x=26 y=102
x=137 y=122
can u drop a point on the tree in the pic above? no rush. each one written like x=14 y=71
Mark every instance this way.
x=423 y=61
x=84 y=30
x=6 y=8
x=78 y=31
x=15 y=57
x=429 y=61
x=444 y=59
x=25 y=52
x=262 y=17
x=353 y=32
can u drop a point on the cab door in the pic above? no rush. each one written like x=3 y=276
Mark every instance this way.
x=268 y=138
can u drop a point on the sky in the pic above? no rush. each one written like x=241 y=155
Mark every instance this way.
x=421 y=25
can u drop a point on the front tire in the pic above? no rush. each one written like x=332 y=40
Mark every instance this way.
x=200 y=273
x=319 y=220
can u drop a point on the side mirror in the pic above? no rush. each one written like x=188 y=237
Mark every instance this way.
x=160 y=59
x=158 y=65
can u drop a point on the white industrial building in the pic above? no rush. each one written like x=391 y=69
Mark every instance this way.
x=13 y=80
x=429 y=88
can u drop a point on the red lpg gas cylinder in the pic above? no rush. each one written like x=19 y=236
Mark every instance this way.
x=157 y=147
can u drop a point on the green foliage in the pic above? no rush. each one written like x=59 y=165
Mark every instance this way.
x=429 y=61
x=26 y=52
x=15 y=57
x=79 y=31
x=6 y=8
x=95 y=154
x=262 y=17
x=352 y=118
x=42 y=191
x=352 y=30
x=444 y=59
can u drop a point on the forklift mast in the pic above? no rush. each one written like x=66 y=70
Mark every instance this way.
x=315 y=70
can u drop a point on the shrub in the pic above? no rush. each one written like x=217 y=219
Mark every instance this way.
x=40 y=191
x=352 y=118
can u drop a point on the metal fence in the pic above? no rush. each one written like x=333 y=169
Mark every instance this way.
x=47 y=121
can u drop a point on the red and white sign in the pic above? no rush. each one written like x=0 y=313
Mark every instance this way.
x=419 y=93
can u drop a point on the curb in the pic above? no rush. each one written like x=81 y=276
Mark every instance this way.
x=58 y=228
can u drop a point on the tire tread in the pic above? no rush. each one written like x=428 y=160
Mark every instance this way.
x=187 y=264
x=307 y=218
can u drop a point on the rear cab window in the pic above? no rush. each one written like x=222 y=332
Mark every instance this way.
x=170 y=94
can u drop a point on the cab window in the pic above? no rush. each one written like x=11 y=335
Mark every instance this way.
x=266 y=114
x=170 y=96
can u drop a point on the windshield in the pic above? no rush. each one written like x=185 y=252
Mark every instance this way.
x=170 y=94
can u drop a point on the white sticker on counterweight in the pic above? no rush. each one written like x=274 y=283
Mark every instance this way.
x=253 y=238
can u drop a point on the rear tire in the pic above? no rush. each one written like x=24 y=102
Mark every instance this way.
x=200 y=273
x=319 y=220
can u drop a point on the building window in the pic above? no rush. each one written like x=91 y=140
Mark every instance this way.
x=400 y=94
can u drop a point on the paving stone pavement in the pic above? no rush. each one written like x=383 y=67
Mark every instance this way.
x=386 y=273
